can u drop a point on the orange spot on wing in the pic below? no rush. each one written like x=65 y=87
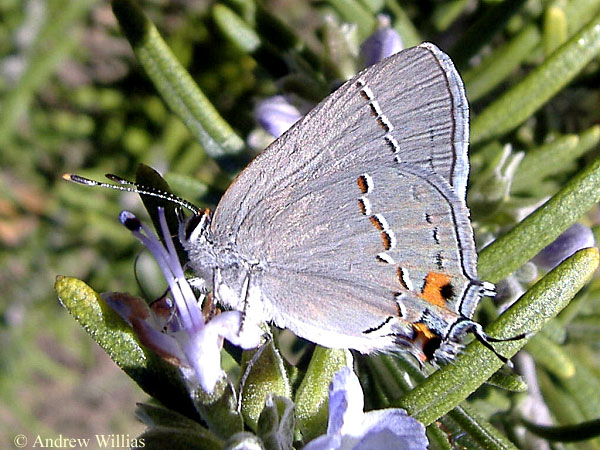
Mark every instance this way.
x=387 y=242
x=363 y=184
x=433 y=289
x=375 y=221
x=362 y=206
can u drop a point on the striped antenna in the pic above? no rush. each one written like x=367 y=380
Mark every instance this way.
x=130 y=186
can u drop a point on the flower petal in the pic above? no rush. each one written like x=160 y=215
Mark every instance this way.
x=575 y=238
x=393 y=429
x=203 y=352
x=325 y=442
x=228 y=324
x=127 y=305
x=349 y=428
x=276 y=114
x=346 y=403
x=383 y=43
x=161 y=343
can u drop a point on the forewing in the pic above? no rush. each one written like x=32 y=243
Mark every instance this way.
x=419 y=94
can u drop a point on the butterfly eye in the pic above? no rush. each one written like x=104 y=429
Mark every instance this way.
x=191 y=225
x=196 y=225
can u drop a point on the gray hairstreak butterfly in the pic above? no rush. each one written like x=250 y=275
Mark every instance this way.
x=352 y=228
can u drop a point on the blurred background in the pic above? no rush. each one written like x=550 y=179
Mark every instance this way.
x=74 y=99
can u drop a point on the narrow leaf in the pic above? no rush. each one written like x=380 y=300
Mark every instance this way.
x=236 y=30
x=551 y=356
x=555 y=29
x=49 y=49
x=510 y=381
x=174 y=83
x=168 y=429
x=482 y=31
x=155 y=376
x=480 y=430
x=566 y=433
x=447 y=12
x=312 y=396
x=502 y=62
x=552 y=158
x=524 y=99
x=403 y=25
x=353 y=12
x=524 y=241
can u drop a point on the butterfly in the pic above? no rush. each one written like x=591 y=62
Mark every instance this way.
x=352 y=228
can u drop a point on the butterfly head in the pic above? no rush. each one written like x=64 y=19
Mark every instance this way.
x=194 y=229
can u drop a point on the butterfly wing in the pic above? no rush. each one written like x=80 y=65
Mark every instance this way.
x=418 y=91
x=359 y=207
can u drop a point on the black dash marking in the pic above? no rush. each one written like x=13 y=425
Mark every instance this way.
x=378 y=327
x=383 y=260
x=439 y=261
x=387 y=240
x=391 y=143
x=373 y=109
x=400 y=274
x=436 y=238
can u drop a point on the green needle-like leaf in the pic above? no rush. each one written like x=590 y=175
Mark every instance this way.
x=481 y=32
x=520 y=102
x=167 y=429
x=174 y=83
x=42 y=60
x=502 y=62
x=555 y=29
x=354 y=12
x=551 y=356
x=480 y=430
x=403 y=25
x=551 y=158
x=154 y=375
x=566 y=433
x=236 y=30
x=524 y=241
x=312 y=396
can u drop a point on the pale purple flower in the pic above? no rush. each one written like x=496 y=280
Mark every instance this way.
x=177 y=329
x=350 y=428
x=277 y=114
x=383 y=43
x=577 y=237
